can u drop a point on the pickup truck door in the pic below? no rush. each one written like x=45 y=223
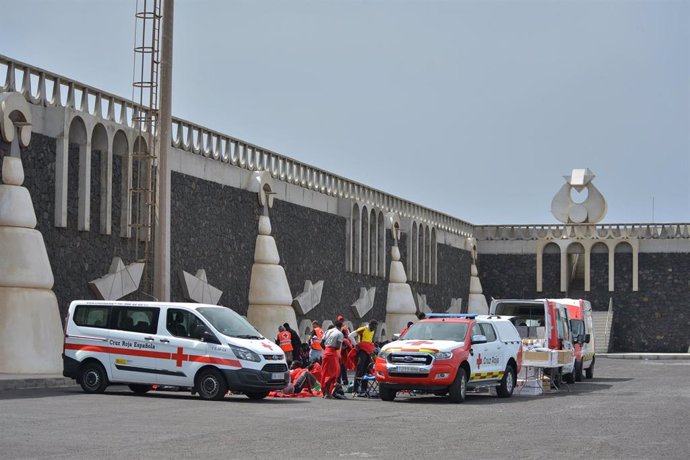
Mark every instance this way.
x=484 y=358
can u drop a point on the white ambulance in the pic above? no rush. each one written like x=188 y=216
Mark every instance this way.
x=205 y=348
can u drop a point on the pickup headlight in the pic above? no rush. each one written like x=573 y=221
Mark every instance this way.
x=245 y=354
x=443 y=355
x=383 y=354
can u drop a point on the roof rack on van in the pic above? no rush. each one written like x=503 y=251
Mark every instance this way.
x=451 y=315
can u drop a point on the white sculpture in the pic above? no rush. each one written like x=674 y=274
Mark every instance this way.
x=364 y=303
x=309 y=298
x=120 y=280
x=197 y=288
x=422 y=306
x=400 y=304
x=31 y=334
x=476 y=303
x=270 y=299
x=590 y=211
x=455 y=306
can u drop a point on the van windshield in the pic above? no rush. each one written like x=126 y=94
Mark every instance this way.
x=229 y=323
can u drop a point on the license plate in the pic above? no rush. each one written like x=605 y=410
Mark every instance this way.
x=409 y=370
x=277 y=376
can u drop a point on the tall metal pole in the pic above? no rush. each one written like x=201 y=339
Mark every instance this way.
x=161 y=260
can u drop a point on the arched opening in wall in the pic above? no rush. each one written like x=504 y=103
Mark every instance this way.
x=77 y=138
x=576 y=270
x=99 y=179
x=373 y=243
x=623 y=267
x=599 y=268
x=356 y=239
x=551 y=270
x=139 y=183
x=365 y=240
x=414 y=252
x=381 y=238
x=420 y=260
x=120 y=185
x=427 y=255
x=434 y=253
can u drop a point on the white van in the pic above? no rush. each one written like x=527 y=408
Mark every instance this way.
x=205 y=348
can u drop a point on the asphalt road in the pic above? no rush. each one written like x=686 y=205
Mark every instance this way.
x=632 y=409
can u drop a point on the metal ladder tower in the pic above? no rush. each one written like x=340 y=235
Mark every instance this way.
x=145 y=152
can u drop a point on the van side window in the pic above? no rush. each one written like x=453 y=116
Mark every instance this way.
x=185 y=324
x=137 y=319
x=488 y=331
x=92 y=315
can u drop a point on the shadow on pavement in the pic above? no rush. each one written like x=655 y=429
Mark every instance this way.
x=181 y=395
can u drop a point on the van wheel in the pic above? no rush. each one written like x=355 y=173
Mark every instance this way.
x=93 y=378
x=578 y=371
x=387 y=394
x=505 y=389
x=458 y=389
x=257 y=395
x=589 y=372
x=139 y=389
x=211 y=385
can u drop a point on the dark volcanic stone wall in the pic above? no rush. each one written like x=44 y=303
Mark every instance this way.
x=214 y=227
x=654 y=319
x=76 y=257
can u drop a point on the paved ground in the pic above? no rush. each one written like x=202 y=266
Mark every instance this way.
x=632 y=408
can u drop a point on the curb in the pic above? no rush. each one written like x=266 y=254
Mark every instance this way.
x=35 y=382
x=649 y=356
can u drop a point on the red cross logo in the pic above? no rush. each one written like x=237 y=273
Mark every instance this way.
x=479 y=361
x=179 y=357
x=267 y=345
x=420 y=342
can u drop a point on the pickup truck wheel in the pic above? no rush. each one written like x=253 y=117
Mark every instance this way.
x=578 y=371
x=139 y=389
x=387 y=394
x=589 y=372
x=505 y=389
x=211 y=385
x=93 y=378
x=458 y=389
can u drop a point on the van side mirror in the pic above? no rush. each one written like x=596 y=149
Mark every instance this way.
x=208 y=337
x=476 y=339
x=588 y=337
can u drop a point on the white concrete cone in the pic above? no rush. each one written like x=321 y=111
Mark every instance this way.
x=31 y=334
x=270 y=300
x=400 y=305
x=477 y=302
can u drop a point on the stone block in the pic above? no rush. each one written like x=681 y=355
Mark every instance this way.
x=30 y=332
x=400 y=300
x=266 y=251
x=12 y=171
x=267 y=318
x=16 y=209
x=23 y=259
x=268 y=286
x=396 y=322
x=397 y=274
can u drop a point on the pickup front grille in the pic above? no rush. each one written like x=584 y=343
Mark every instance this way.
x=402 y=358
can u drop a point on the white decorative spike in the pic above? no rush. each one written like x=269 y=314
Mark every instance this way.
x=421 y=304
x=197 y=289
x=364 y=303
x=120 y=280
x=455 y=306
x=309 y=298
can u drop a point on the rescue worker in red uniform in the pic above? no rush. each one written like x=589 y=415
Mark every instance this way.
x=285 y=343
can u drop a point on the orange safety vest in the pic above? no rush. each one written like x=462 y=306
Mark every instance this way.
x=316 y=339
x=284 y=341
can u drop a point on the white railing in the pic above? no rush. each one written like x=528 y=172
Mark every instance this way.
x=44 y=88
x=582 y=231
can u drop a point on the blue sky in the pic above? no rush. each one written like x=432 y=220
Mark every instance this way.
x=474 y=108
